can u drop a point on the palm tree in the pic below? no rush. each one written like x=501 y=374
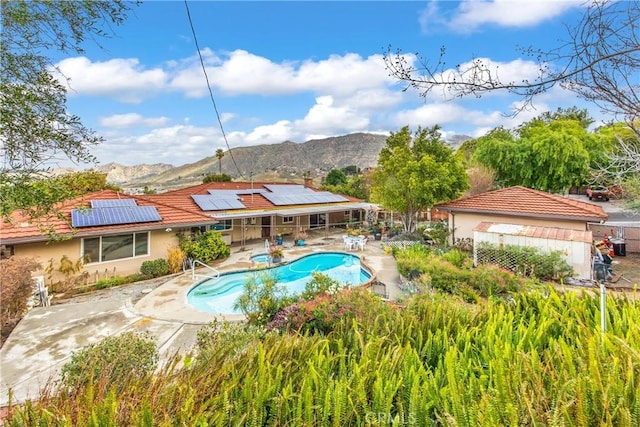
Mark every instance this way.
x=220 y=155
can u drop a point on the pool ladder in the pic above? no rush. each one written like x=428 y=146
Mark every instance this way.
x=195 y=262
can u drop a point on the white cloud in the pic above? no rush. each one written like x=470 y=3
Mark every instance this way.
x=452 y=116
x=325 y=117
x=429 y=115
x=244 y=73
x=430 y=17
x=269 y=134
x=122 y=79
x=175 y=144
x=470 y=15
x=132 y=120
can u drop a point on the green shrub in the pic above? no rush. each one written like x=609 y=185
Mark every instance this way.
x=204 y=247
x=156 y=268
x=412 y=259
x=468 y=294
x=229 y=338
x=215 y=177
x=262 y=297
x=458 y=258
x=437 y=232
x=110 y=282
x=446 y=276
x=112 y=361
x=320 y=284
x=491 y=280
x=136 y=277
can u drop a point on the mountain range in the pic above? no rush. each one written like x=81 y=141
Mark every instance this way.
x=286 y=161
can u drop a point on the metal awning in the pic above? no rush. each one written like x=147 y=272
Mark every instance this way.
x=293 y=212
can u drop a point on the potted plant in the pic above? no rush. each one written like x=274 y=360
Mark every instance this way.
x=276 y=253
x=300 y=237
x=279 y=239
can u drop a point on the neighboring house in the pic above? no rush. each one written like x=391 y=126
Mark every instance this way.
x=519 y=205
x=116 y=232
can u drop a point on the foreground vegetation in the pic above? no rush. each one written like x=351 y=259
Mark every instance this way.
x=536 y=357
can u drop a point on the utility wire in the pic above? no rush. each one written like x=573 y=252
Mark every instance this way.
x=204 y=70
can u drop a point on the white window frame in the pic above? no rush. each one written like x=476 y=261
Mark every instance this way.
x=287 y=219
x=133 y=253
x=227 y=222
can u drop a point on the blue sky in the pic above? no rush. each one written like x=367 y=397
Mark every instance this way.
x=296 y=71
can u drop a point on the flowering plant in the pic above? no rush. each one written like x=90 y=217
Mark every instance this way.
x=276 y=252
x=301 y=234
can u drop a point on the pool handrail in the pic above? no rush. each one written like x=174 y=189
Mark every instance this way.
x=216 y=273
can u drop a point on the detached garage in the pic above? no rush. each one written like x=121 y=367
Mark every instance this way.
x=574 y=245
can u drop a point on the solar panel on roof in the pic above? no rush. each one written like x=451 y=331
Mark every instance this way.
x=223 y=204
x=113 y=215
x=314 y=197
x=233 y=194
x=288 y=188
x=86 y=217
x=224 y=194
x=109 y=203
x=146 y=214
x=211 y=203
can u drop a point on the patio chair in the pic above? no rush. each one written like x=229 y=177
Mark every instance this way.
x=349 y=242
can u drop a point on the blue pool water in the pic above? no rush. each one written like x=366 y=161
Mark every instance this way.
x=260 y=258
x=219 y=295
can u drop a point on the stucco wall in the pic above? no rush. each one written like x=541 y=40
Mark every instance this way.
x=462 y=223
x=159 y=243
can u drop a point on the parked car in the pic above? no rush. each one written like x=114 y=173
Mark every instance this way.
x=599 y=192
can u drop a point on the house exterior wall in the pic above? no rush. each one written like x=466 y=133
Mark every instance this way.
x=43 y=252
x=254 y=231
x=159 y=242
x=336 y=218
x=461 y=224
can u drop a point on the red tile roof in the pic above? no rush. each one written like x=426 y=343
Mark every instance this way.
x=176 y=208
x=22 y=229
x=522 y=201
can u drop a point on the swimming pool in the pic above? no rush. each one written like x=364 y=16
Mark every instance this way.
x=219 y=295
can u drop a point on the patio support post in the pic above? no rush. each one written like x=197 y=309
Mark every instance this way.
x=243 y=221
x=326 y=225
x=273 y=230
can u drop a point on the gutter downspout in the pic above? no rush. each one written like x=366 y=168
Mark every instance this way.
x=453 y=228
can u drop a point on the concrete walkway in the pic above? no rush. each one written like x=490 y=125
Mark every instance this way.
x=46 y=337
